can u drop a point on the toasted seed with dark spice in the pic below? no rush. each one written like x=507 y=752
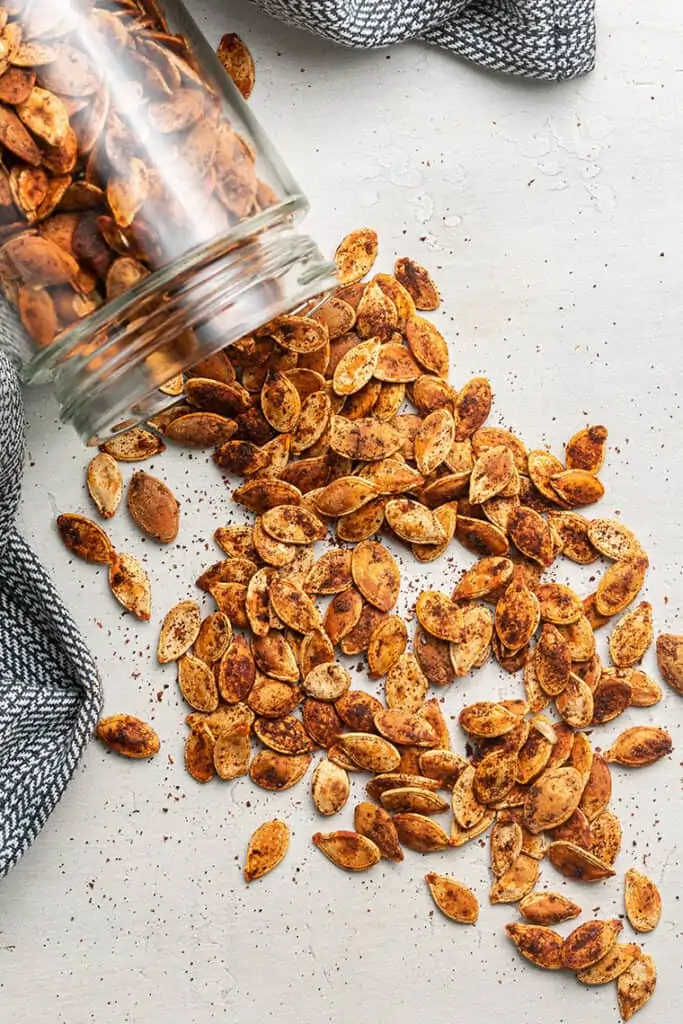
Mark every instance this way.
x=128 y=736
x=586 y=449
x=614 y=963
x=541 y=945
x=348 y=850
x=641 y=745
x=130 y=585
x=267 y=848
x=670 y=660
x=453 y=899
x=235 y=57
x=589 y=943
x=574 y=862
x=376 y=824
x=642 y=901
x=85 y=538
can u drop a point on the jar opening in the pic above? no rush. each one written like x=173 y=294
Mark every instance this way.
x=108 y=369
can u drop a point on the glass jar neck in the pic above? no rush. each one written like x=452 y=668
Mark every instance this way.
x=108 y=369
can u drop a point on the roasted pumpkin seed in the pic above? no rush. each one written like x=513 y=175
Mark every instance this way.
x=574 y=862
x=179 y=631
x=641 y=745
x=670 y=660
x=330 y=788
x=542 y=946
x=419 y=833
x=105 y=484
x=197 y=683
x=327 y=681
x=518 y=614
x=128 y=735
x=632 y=636
x=355 y=255
x=376 y=574
x=413 y=800
x=613 y=539
x=371 y=753
x=642 y=901
x=130 y=585
x=552 y=799
x=546 y=908
x=278 y=771
x=86 y=539
x=405 y=685
x=614 y=963
x=231 y=753
x=453 y=899
x=199 y=755
x=214 y=637
x=589 y=943
x=620 y=585
x=267 y=848
x=153 y=507
x=348 y=850
x=636 y=985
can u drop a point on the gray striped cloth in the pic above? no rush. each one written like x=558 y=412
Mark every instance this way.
x=49 y=687
x=546 y=39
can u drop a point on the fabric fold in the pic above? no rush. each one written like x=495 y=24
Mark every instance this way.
x=550 y=40
x=50 y=693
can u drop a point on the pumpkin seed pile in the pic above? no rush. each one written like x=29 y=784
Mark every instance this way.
x=341 y=421
x=344 y=421
x=83 y=214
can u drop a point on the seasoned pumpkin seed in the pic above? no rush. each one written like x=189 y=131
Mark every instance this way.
x=574 y=862
x=267 y=848
x=179 y=631
x=231 y=753
x=86 y=539
x=670 y=660
x=105 y=484
x=130 y=585
x=632 y=636
x=546 y=908
x=516 y=882
x=589 y=943
x=330 y=787
x=614 y=963
x=419 y=833
x=541 y=945
x=453 y=899
x=371 y=753
x=278 y=771
x=348 y=850
x=642 y=901
x=641 y=745
x=636 y=985
x=128 y=735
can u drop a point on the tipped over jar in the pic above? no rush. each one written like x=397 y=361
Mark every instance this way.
x=145 y=220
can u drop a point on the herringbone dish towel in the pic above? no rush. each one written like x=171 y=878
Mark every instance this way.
x=546 y=39
x=49 y=687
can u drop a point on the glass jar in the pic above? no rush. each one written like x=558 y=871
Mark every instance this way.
x=145 y=220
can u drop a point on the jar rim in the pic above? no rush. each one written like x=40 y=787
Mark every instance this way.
x=248 y=277
x=40 y=368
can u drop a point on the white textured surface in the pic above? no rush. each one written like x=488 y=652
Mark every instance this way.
x=551 y=218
